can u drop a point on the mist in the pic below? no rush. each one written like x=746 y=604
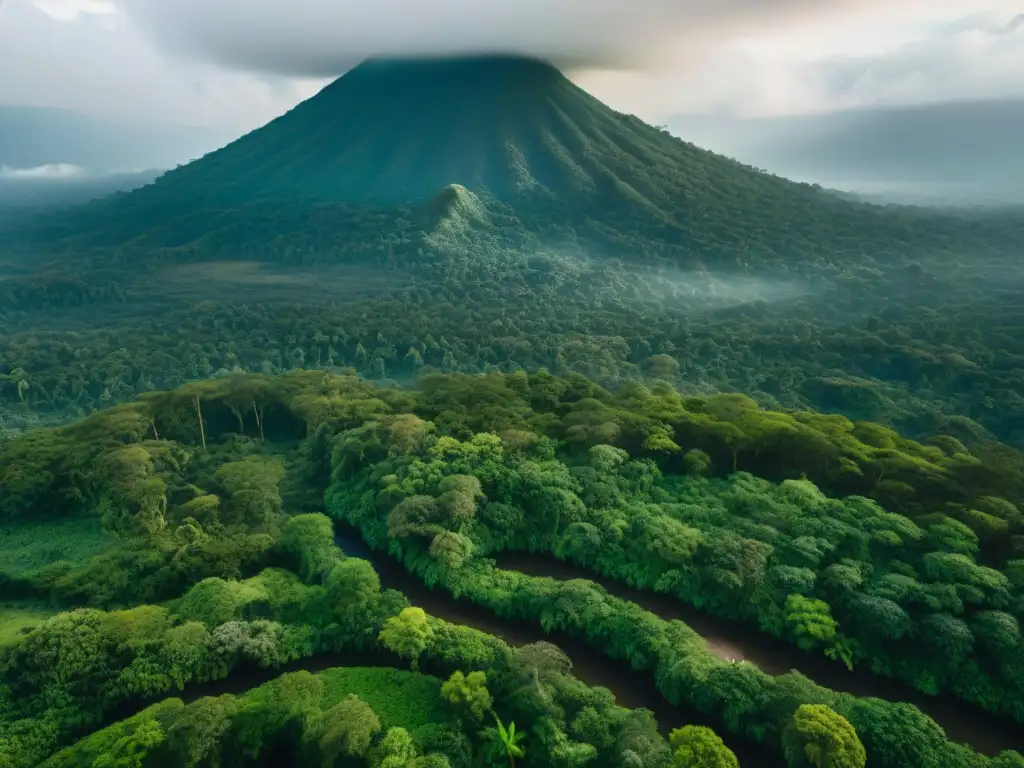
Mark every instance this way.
x=49 y=187
x=37 y=141
x=669 y=288
x=47 y=171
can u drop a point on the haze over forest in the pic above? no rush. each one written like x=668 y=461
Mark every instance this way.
x=526 y=384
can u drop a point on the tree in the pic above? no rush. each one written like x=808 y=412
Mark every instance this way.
x=820 y=737
x=810 y=621
x=696 y=462
x=346 y=730
x=459 y=497
x=309 y=540
x=695 y=746
x=137 y=501
x=452 y=549
x=1008 y=759
x=510 y=741
x=468 y=694
x=414 y=516
x=131 y=751
x=352 y=582
x=662 y=367
x=252 y=486
x=659 y=438
x=396 y=750
x=607 y=459
x=197 y=735
x=292 y=709
x=407 y=634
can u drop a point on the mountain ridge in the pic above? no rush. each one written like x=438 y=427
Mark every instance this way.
x=387 y=137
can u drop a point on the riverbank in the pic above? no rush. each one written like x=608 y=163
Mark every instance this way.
x=728 y=640
x=984 y=733
x=632 y=689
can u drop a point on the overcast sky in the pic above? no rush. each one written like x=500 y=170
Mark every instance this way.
x=234 y=64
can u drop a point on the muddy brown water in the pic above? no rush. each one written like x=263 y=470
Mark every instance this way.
x=632 y=689
x=962 y=722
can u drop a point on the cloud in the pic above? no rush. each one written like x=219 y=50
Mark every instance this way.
x=976 y=57
x=65 y=10
x=237 y=63
x=51 y=171
x=322 y=39
x=860 y=60
x=651 y=57
x=88 y=56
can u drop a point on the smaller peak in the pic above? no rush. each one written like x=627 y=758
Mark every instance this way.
x=452 y=215
x=455 y=201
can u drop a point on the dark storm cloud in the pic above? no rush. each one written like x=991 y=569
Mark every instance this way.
x=321 y=39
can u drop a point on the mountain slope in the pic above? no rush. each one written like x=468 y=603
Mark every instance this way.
x=390 y=135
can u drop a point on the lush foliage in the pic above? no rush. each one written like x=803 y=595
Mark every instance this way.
x=698 y=747
x=906 y=597
x=313 y=718
x=928 y=359
x=554 y=464
x=172 y=545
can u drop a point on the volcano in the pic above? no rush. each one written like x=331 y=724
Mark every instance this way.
x=395 y=132
x=381 y=142
x=401 y=131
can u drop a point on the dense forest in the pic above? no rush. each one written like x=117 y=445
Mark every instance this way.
x=454 y=419
x=160 y=546
x=926 y=353
x=366 y=228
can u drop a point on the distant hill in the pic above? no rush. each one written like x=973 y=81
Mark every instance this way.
x=968 y=151
x=350 y=165
x=31 y=137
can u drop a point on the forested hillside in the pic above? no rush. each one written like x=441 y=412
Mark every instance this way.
x=927 y=352
x=388 y=136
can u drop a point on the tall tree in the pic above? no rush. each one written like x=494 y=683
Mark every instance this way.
x=820 y=737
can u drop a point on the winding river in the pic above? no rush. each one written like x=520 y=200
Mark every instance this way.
x=631 y=689
x=962 y=723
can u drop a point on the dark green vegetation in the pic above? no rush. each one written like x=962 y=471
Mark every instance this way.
x=908 y=591
x=418 y=222
x=487 y=215
x=745 y=282
x=186 y=522
x=209 y=564
x=391 y=134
